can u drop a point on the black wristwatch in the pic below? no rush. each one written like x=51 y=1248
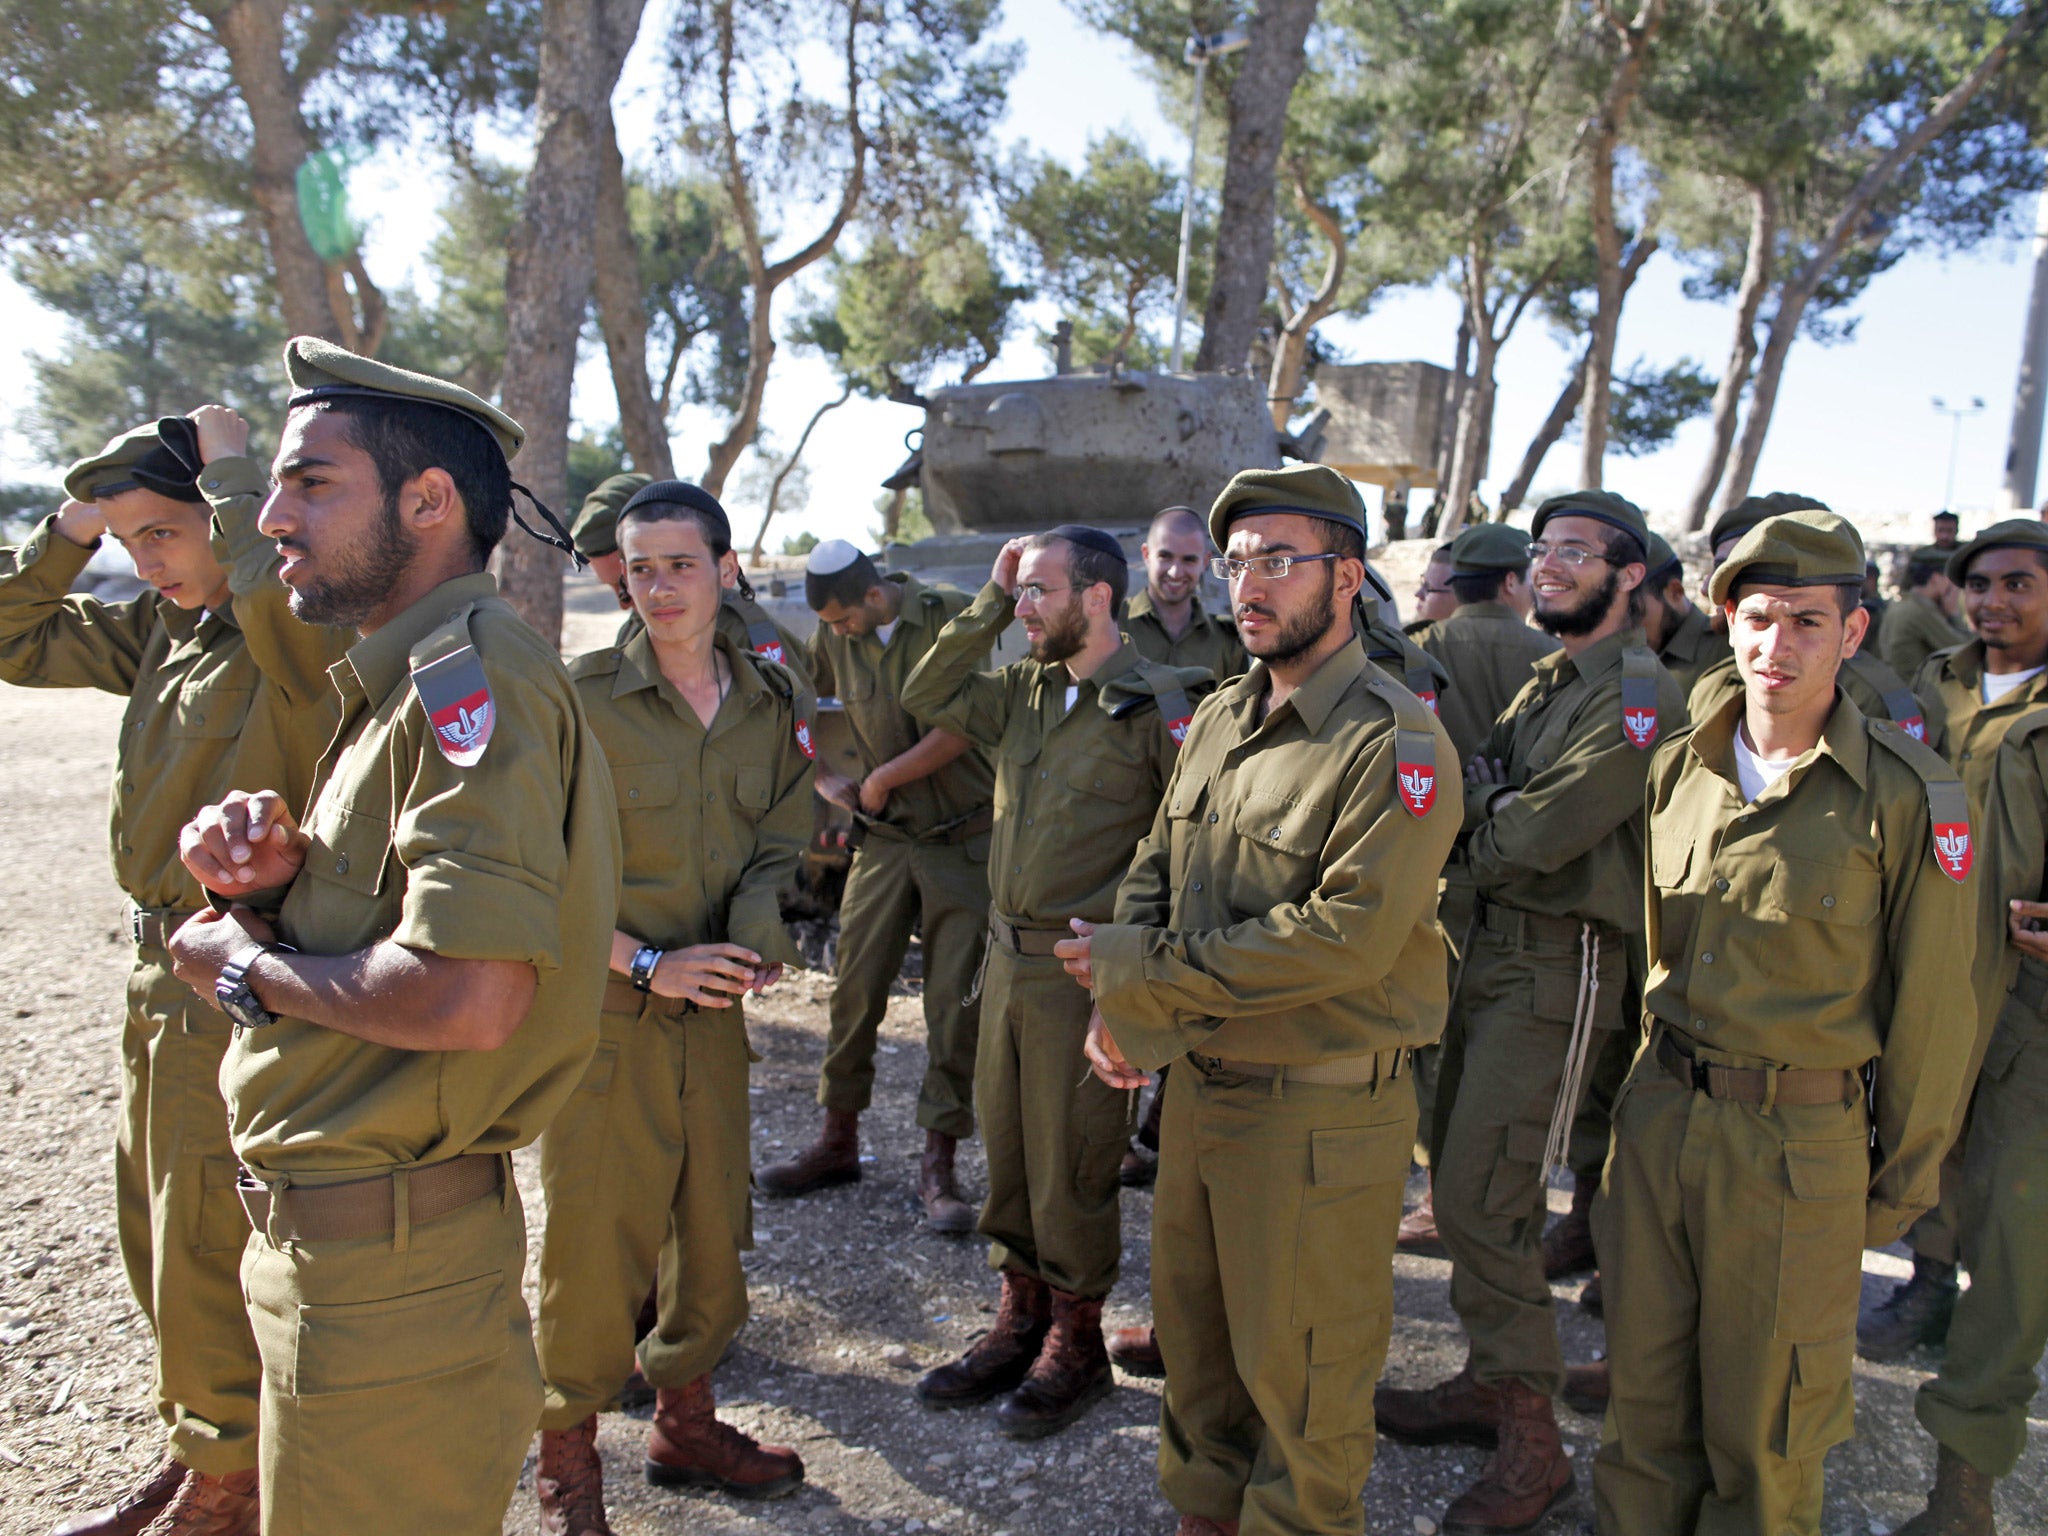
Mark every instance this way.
x=645 y=959
x=237 y=999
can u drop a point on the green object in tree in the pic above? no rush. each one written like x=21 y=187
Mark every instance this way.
x=323 y=205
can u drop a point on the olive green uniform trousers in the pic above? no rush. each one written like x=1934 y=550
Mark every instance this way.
x=1978 y=1405
x=1732 y=1240
x=892 y=887
x=1054 y=1132
x=400 y=1390
x=646 y=1174
x=182 y=1228
x=1456 y=901
x=1273 y=1291
x=1503 y=1066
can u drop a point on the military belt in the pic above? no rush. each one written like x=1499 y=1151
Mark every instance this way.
x=1380 y=1067
x=958 y=829
x=624 y=997
x=1026 y=941
x=1766 y=1086
x=1522 y=929
x=152 y=927
x=331 y=1213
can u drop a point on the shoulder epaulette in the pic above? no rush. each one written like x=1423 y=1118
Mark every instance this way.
x=598 y=663
x=1639 y=672
x=1899 y=700
x=448 y=676
x=1414 y=743
x=1948 y=803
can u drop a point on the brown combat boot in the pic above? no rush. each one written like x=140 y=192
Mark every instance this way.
x=1202 y=1525
x=1000 y=1358
x=210 y=1506
x=1135 y=1352
x=834 y=1158
x=1593 y=1297
x=1417 y=1233
x=687 y=1447
x=1139 y=1169
x=1568 y=1245
x=1528 y=1476
x=1959 y=1503
x=133 y=1510
x=1917 y=1312
x=1460 y=1411
x=570 y=1482
x=944 y=1210
x=1071 y=1372
x=1586 y=1388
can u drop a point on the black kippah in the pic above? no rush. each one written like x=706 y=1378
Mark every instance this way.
x=680 y=493
x=1089 y=538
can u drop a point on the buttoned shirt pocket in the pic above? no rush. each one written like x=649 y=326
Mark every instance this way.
x=1820 y=1247
x=1100 y=776
x=1280 y=843
x=646 y=786
x=1824 y=893
x=351 y=850
x=210 y=714
x=1670 y=861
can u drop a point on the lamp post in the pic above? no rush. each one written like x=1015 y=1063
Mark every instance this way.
x=1955 y=414
x=1199 y=51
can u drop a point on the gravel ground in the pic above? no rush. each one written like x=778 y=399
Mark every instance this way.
x=850 y=1296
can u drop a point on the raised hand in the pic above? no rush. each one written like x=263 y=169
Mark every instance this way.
x=222 y=433
x=246 y=843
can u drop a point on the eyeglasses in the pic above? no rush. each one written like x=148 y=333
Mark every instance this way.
x=1568 y=554
x=1426 y=590
x=1037 y=593
x=1272 y=567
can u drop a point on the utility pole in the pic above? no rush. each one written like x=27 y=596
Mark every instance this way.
x=1198 y=52
x=1955 y=414
x=2030 y=394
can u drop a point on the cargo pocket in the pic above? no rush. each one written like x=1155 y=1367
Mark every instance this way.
x=1105 y=1124
x=1344 y=1360
x=401 y=1341
x=223 y=1224
x=1820 y=1246
x=1513 y=1188
x=1820 y=1404
x=1353 y=1172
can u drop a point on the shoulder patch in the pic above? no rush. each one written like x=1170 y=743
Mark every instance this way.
x=1414 y=746
x=1639 y=669
x=1899 y=700
x=1948 y=803
x=448 y=675
x=803 y=739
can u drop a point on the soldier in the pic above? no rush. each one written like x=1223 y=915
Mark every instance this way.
x=1947 y=530
x=1685 y=640
x=1553 y=842
x=226 y=691
x=1924 y=620
x=1810 y=922
x=1166 y=621
x=426 y=998
x=1986 y=699
x=1276 y=931
x=1434 y=598
x=1084 y=734
x=1974 y=695
x=646 y=1166
x=922 y=819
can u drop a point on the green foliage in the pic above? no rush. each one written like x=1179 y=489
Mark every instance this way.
x=912 y=526
x=459 y=333
x=696 y=284
x=800 y=543
x=593 y=459
x=1650 y=404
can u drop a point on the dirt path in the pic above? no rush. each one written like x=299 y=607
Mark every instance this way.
x=839 y=1281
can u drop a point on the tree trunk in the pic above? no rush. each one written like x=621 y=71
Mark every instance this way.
x=1636 y=39
x=1290 y=356
x=1547 y=435
x=1244 y=230
x=549 y=270
x=1468 y=465
x=1749 y=298
x=622 y=315
x=1848 y=225
x=754 y=555
x=1454 y=400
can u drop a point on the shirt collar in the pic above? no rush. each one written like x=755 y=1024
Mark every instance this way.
x=381 y=660
x=1140 y=606
x=1313 y=700
x=1844 y=738
x=1491 y=609
x=1593 y=663
x=1686 y=640
x=640 y=669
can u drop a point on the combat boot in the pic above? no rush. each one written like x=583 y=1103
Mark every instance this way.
x=1915 y=1313
x=1135 y=1352
x=1071 y=1372
x=570 y=1482
x=1139 y=1168
x=1568 y=1245
x=133 y=1510
x=1460 y=1411
x=834 y=1158
x=1000 y=1358
x=1202 y=1525
x=1417 y=1233
x=1587 y=1388
x=944 y=1210
x=1960 y=1503
x=210 y=1506
x=1593 y=1297
x=687 y=1447
x=1528 y=1476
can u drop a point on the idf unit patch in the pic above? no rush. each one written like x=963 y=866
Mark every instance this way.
x=1639 y=710
x=1948 y=807
x=1415 y=771
x=457 y=698
x=1904 y=709
x=803 y=740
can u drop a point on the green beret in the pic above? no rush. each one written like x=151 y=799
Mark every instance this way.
x=161 y=457
x=595 y=525
x=1307 y=490
x=2013 y=533
x=320 y=370
x=1602 y=507
x=1751 y=510
x=1663 y=562
x=1485 y=548
x=1809 y=548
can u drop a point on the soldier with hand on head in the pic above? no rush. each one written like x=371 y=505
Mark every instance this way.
x=1166 y=621
x=226 y=690
x=645 y=1168
x=922 y=819
x=1811 y=933
x=425 y=998
x=1686 y=640
x=1924 y=620
x=1274 y=938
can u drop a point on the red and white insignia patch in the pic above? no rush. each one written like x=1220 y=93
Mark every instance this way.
x=1915 y=726
x=1429 y=698
x=803 y=740
x=1418 y=786
x=457 y=698
x=1178 y=729
x=1641 y=726
x=773 y=651
x=1952 y=849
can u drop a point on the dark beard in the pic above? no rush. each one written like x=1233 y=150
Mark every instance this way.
x=1588 y=616
x=1064 y=636
x=368 y=570
x=1303 y=633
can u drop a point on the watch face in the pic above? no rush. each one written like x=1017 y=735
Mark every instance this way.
x=241 y=1004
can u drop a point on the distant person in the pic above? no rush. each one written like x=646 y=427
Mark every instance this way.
x=1946 y=529
x=1166 y=621
x=1434 y=597
x=1924 y=620
x=1684 y=638
x=1872 y=600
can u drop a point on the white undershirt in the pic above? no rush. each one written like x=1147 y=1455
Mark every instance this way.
x=884 y=631
x=1998 y=684
x=1756 y=774
x=1073 y=693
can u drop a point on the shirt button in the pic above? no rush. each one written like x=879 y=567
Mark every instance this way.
x=1827 y=901
x=632 y=794
x=1212 y=818
x=1707 y=958
x=1030 y=821
x=1966 y=757
x=1098 y=783
x=1018 y=870
x=1720 y=885
x=1699 y=1023
x=341 y=865
x=1198 y=885
x=714 y=858
x=1043 y=774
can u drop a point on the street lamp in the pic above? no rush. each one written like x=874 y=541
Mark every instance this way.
x=1199 y=51
x=1955 y=414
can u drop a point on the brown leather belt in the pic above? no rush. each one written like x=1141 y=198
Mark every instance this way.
x=327 y=1213
x=624 y=997
x=152 y=927
x=1026 y=941
x=1382 y=1066
x=1757 y=1085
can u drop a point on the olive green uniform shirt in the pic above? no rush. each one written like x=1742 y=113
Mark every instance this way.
x=733 y=625
x=1075 y=788
x=1282 y=907
x=1489 y=653
x=868 y=677
x=1813 y=928
x=237 y=699
x=714 y=822
x=515 y=857
x=1569 y=843
x=1210 y=640
x=1693 y=647
x=1913 y=630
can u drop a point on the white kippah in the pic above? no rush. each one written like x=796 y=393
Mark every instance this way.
x=831 y=557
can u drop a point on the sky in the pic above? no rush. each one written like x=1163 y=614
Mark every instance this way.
x=1855 y=424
